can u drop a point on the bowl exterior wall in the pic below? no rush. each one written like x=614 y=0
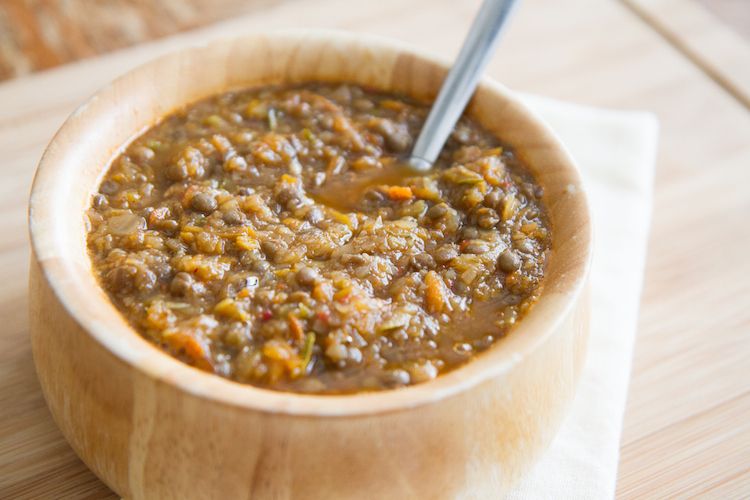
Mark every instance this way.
x=147 y=438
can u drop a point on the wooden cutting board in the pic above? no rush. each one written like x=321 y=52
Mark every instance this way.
x=686 y=428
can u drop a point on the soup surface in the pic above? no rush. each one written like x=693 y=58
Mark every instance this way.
x=207 y=235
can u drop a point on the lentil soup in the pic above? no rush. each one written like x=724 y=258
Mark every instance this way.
x=207 y=237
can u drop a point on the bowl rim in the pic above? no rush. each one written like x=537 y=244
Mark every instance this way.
x=149 y=360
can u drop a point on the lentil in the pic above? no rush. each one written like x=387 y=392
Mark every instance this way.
x=508 y=261
x=203 y=202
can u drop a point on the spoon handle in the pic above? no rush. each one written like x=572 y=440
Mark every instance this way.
x=460 y=83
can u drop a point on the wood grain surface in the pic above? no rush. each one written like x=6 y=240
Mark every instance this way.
x=686 y=430
x=690 y=27
x=40 y=34
x=734 y=13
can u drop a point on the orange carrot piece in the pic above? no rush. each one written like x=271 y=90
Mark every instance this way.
x=399 y=193
x=295 y=327
x=435 y=294
x=192 y=349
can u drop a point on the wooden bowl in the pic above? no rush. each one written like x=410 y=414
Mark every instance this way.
x=151 y=426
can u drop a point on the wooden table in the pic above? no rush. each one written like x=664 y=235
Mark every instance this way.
x=687 y=425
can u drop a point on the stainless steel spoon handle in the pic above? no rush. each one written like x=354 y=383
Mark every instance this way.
x=460 y=83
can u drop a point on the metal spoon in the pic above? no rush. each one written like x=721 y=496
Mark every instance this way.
x=460 y=83
x=454 y=94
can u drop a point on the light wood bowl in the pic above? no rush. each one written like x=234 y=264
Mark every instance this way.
x=152 y=427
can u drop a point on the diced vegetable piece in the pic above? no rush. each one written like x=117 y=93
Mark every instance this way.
x=295 y=327
x=308 y=349
x=323 y=292
x=277 y=350
x=462 y=175
x=159 y=316
x=510 y=207
x=435 y=295
x=183 y=342
x=246 y=242
x=399 y=193
x=231 y=309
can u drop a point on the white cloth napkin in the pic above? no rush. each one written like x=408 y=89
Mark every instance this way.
x=616 y=152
